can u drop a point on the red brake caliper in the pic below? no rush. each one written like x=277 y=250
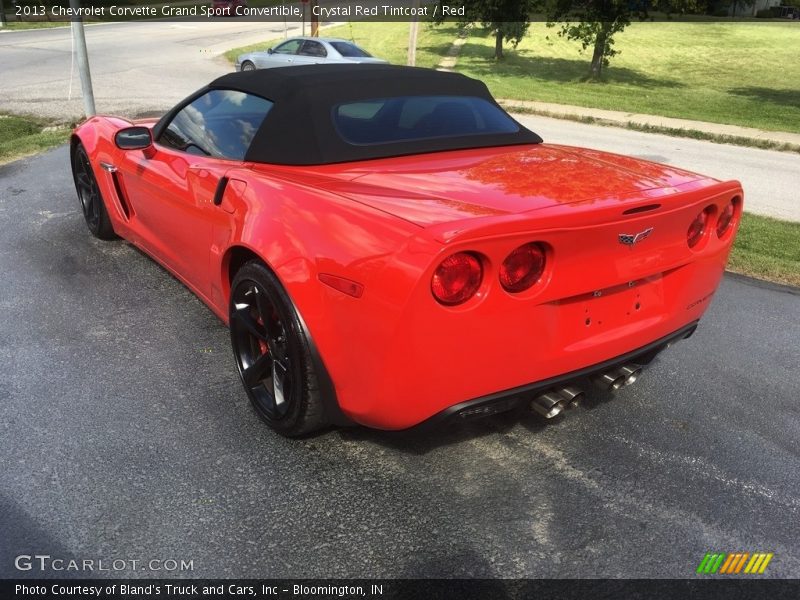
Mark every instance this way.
x=262 y=345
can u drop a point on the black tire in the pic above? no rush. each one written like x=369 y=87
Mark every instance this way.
x=272 y=353
x=92 y=203
x=248 y=66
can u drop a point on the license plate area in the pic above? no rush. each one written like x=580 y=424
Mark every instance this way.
x=613 y=310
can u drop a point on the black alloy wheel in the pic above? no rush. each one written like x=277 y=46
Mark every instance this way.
x=272 y=353
x=92 y=203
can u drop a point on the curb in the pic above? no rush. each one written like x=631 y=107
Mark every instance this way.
x=763 y=283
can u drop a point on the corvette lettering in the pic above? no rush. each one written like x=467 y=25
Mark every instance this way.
x=700 y=301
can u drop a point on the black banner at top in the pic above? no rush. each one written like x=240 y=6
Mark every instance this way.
x=250 y=10
x=294 y=11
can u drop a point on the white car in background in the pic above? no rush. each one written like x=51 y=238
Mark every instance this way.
x=306 y=51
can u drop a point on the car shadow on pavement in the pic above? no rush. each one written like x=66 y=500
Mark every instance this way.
x=20 y=535
x=430 y=436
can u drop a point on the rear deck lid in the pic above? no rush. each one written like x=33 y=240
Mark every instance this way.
x=436 y=188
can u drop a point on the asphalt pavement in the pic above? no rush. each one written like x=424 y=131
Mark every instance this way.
x=137 y=67
x=125 y=434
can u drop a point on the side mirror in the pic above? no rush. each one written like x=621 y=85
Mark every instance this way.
x=134 y=138
x=270 y=51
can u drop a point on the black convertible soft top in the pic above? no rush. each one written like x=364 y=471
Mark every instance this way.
x=300 y=129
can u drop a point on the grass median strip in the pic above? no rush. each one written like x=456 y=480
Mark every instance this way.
x=22 y=25
x=767 y=248
x=23 y=136
x=671 y=131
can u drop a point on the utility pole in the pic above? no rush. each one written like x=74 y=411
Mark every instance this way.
x=83 y=59
x=413 y=31
x=314 y=19
x=2 y=14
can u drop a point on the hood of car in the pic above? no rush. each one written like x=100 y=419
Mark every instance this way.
x=436 y=188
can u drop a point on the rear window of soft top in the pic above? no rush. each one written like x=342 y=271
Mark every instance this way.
x=406 y=118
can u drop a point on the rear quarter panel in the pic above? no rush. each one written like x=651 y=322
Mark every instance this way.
x=301 y=232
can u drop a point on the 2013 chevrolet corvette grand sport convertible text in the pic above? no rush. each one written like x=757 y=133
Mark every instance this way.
x=389 y=247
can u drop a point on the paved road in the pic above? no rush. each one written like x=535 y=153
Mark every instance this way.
x=770 y=179
x=137 y=67
x=124 y=434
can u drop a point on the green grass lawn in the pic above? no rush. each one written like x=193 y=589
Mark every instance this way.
x=768 y=249
x=741 y=73
x=383 y=40
x=738 y=73
x=21 y=136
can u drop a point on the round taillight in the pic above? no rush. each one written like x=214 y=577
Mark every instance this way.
x=522 y=268
x=698 y=227
x=457 y=278
x=725 y=219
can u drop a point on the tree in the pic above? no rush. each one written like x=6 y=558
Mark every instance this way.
x=736 y=5
x=595 y=22
x=507 y=20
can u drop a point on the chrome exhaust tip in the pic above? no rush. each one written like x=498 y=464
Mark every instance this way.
x=618 y=378
x=553 y=403
x=630 y=373
x=610 y=381
x=549 y=405
x=572 y=396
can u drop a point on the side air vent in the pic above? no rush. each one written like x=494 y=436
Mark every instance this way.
x=123 y=199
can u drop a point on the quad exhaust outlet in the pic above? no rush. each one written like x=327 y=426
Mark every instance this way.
x=617 y=378
x=553 y=403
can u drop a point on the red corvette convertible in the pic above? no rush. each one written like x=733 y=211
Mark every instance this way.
x=389 y=247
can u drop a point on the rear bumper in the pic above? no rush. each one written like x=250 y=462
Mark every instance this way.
x=430 y=362
x=512 y=398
